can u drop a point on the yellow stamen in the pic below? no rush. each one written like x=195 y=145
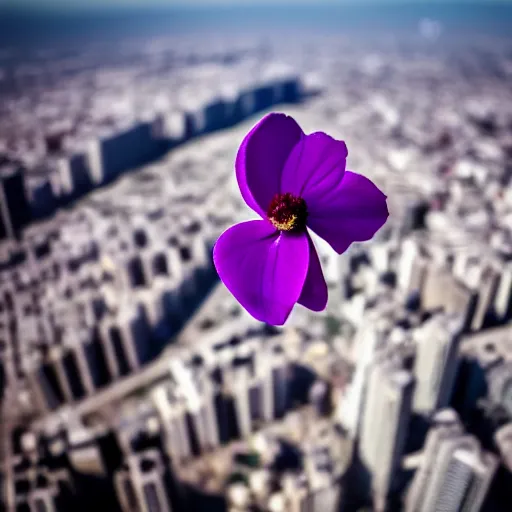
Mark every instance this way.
x=288 y=225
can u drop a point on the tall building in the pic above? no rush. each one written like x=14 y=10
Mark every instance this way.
x=281 y=385
x=498 y=499
x=456 y=473
x=74 y=174
x=385 y=421
x=173 y=414
x=203 y=415
x=14 y=206
x=500 y=386
x=466 y=482
x=240 y=391
x=504 y=442
x=487 y=292
x=503 y=299
x=351 y=407
x=426 y=270
x=116 y=151
x=445 y=425
x=84 y=450
x=44 y=383
x=215 y=115
x=187 y=412
x=484 y=371
x=412 y=266
x=436 y=363
x=142 y=485
x=131 y=336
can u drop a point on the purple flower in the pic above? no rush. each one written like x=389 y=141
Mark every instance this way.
x=293 y=181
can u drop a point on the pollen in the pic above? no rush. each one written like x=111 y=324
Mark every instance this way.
x=288 y=212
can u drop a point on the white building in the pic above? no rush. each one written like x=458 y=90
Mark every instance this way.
x=436 y=363
x=385 y=421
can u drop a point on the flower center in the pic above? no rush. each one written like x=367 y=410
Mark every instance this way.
x=288 y=212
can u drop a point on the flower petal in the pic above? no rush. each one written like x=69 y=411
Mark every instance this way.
x=261 y=158
x=314 y=293
x=352 y=211
x=264 y=269
x=315 y=166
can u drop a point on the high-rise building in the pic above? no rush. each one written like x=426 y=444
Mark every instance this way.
x=173 y=415
x=438 y=279
x=296 y=491
x=95 y=358
x=142 y=484
x=203 y=414
x=132 y=337
x=351 y=407
x=172 y=126
x=157 y=319
x=75 y=176
x=483 y=369
x=240 y=391
x=44 y=383
x=436 y=363
x=280 y=383
x=215 y=114
x=14 y=206
x=466 y=482
x=114 y=152
x=385 y=421
x=440 y=289
x=456 y=473
x=498 y=499
x=487 y=292
x=412 y=266
x=84 y=451
x=500 y=386
x=186 y=409
x=167 y=291
x=56 y=354
x=503 y=299
x=445 y=425
x=503 y=439
x=245 y=105
x=42 y=500
x=76 y=360
x=325 y=496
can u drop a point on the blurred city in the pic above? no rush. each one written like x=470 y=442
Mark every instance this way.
x=132 y=381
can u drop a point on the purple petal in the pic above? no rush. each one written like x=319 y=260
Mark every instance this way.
x=314 y=292
x=352 y=211
x=261 y=158
x=264 y=269
x=315 y=166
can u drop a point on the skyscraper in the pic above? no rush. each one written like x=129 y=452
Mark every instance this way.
x=412 y=266
x=487 y=292
x=502 y=300
x=499 y=495
x=173 y=415
x=141 y=485
x=446 y=425
x=385 y=421
x=503 y=439
x=351 y=408
x=240 y=392
x=436 y=363
x=455 y=474
x=467 y=479
x=14 y=206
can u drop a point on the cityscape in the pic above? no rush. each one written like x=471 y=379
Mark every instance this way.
x=132 y=381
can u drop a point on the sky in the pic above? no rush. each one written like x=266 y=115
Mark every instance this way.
x=191 y=3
